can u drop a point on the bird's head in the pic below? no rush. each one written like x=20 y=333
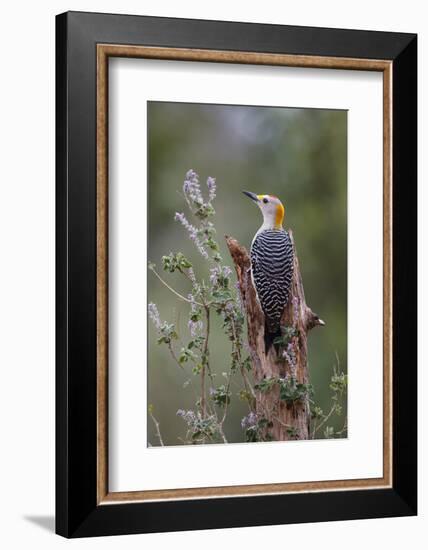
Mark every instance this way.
x=271 y=207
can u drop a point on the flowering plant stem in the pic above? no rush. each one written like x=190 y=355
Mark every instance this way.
x=215 y=296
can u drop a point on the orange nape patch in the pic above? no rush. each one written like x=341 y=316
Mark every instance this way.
x=279 y=216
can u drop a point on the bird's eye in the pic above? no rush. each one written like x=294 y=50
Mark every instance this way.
x=265 y=200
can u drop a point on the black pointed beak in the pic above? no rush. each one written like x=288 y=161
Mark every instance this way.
x=252 y=196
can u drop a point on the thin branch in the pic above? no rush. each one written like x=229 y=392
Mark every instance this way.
x=205 y=364
x=344 y=428
x=229 y=378
x=157 y=426
x=220 y=429
x=247 y=384
x=172 y=352
x=172 y=290
x=315 y=430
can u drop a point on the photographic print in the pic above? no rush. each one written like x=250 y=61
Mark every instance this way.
x=247 y=283
x=226 y=252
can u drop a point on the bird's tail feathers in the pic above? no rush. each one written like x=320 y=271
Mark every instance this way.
x=272 y=331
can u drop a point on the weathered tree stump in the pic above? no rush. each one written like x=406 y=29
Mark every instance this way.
x=284 y=369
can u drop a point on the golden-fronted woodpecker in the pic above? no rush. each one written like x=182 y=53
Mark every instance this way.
x=272 y=260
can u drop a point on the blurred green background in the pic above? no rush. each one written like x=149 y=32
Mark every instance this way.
x=300 y=155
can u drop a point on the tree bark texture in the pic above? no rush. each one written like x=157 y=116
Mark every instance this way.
x=287 y=419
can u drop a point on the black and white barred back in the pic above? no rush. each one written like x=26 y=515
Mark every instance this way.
x=272 y=260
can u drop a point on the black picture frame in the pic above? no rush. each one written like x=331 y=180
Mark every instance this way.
x=77 y=511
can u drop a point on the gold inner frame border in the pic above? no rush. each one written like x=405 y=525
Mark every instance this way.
x=104 y=52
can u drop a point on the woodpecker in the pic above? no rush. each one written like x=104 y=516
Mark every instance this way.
x=272 y=260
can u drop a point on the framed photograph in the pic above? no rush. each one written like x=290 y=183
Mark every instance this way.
x=236 y=274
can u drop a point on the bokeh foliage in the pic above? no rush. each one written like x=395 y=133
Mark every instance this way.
x=300 y=155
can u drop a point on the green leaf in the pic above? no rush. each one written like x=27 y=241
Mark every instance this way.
x=197 y=369
x=221 y=396
x=266 y=384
